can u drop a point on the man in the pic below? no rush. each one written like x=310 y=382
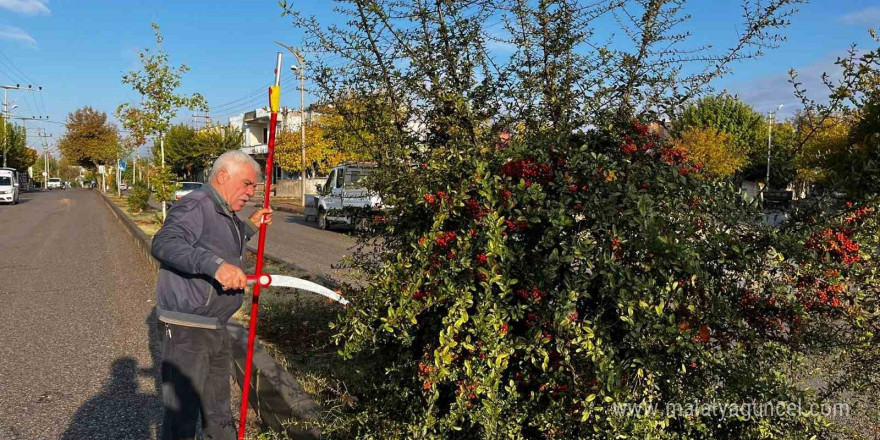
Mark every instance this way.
x=202 y=252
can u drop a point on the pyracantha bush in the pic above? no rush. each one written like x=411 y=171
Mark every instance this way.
x=534 y=290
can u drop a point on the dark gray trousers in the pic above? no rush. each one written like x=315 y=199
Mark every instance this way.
x=195 y=381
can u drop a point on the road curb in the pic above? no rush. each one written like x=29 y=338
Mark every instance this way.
x=276 y=396
x=143 y=242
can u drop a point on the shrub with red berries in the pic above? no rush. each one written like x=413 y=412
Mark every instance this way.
x=555 y=278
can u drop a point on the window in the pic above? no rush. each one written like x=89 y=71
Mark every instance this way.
x=5 y=181
x=265 y=135
x=354 y=175
x=340 y=180
x=191 y=186
x=330 y=181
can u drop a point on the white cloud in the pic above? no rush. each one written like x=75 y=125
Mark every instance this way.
x=764 y=93
x=16 y=34
x=869 y=16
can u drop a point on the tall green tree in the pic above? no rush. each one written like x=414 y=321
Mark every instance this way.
x=183 y=151
x=13 y=139
x=218 y=140
x=90 y=139
x=745 y=129
x=157 y=84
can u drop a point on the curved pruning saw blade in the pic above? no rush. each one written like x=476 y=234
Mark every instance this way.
x=299 y=283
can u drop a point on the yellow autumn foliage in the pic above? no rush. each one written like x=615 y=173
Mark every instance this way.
x=713 y=148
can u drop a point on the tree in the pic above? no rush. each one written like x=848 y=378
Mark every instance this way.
x=13 y=139
x=218 y=140
x=157 y=84
x=820 y=155
x=525 y=287
x=712 y=148
x=852 y=99
x=22 y=160
x=68 y=170
x=326 y=145
x=183 y=151
x=89 y=139
x=744 y=128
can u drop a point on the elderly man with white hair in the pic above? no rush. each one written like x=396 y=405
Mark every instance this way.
x=201 y=248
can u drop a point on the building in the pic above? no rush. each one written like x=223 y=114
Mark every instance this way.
x=254 y=126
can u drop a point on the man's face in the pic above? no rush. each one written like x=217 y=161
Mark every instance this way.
x=236 y=184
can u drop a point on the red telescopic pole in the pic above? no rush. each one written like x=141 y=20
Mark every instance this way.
x=274 y=104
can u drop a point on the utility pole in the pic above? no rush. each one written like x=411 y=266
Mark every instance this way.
x=204 y=120
x=42 y=134
x=6 y=110
x=302 y=113
x=769 y=139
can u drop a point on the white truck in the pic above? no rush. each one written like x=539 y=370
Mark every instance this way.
x=9 y=186
x=342 y=200
x=55 y=183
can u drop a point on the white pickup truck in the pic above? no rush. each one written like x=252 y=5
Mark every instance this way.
x=341 y=200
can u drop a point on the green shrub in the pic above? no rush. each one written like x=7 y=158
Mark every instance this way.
x=528 y=293
x=138 y=197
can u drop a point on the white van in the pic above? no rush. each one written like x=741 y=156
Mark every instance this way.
x=9 y=185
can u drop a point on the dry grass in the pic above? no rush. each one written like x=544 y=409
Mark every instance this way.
x=148 y=220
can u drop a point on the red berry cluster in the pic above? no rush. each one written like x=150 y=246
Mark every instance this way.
x=514 y=227
x=616 y=248
x=858 y=215
x=434 y=200
x=674 y=156
x=640 y=128
x=504 y=194
x=445 y=239
x=628 y=148
x=425 y=370
x=531 y=293
x=828 y=294
x=474 y=209
x=528 y=170
x=837 y=243
x=469 y=389
x=480 y=259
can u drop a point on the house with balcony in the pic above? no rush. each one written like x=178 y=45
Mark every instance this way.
x=254 y=126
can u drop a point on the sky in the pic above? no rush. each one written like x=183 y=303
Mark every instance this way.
x=78 y=50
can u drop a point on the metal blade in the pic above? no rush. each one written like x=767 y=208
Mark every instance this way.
x=299 y=283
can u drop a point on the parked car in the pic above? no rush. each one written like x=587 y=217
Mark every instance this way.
x=55 y=183
x=342 y=199
x=186 y=188
x=9 y=186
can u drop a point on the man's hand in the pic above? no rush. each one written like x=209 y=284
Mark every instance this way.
x=231 y=277
x=257 y=216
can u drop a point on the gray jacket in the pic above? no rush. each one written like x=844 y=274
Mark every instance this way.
x=199 y=234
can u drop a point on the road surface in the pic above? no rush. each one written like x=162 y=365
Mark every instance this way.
x=293 y=239
x=78 y=346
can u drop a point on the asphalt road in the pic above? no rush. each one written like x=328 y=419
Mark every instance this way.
x=77 y=332
x=293 y=239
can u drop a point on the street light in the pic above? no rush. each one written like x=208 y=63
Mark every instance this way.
x=769 y=138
